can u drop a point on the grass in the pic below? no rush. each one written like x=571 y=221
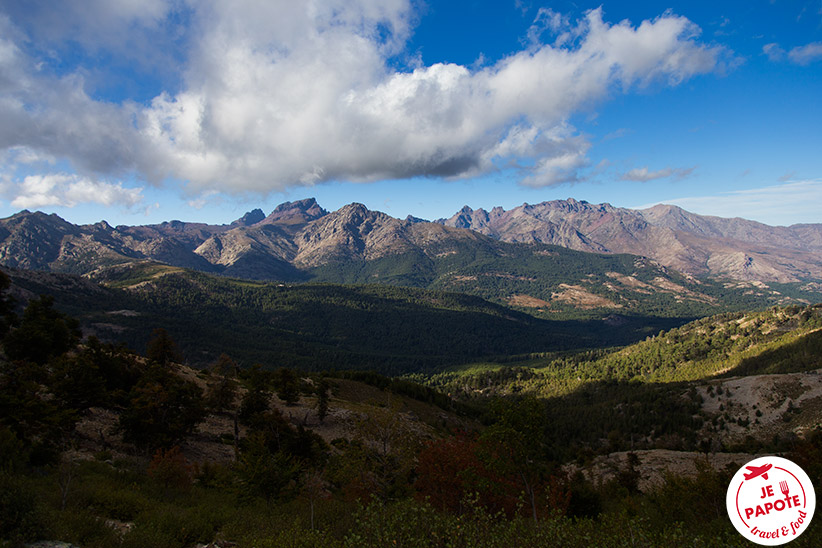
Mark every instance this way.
x=183 y=518
x=141 y=273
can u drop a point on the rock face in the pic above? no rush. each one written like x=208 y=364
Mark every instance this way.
x=251 y=218
x=693 y=244
x=295 y=235
x=356 y=233
x=295 y=214
x=299 y=235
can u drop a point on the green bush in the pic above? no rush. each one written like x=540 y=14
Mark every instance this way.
x=110 y=501
x=19 y=517
x=294 y=536
x=83 y=528
x=186 y=526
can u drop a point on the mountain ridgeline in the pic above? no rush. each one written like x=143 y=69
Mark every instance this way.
x=554 y=260
x=693 y=244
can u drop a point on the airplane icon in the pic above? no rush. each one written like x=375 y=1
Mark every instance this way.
x=756 y=471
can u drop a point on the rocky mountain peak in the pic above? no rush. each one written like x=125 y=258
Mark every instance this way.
x=355 y=213
x=38 y=221
x=299 y=212
x=252 y=217
x=466 y=217
x=102 y=226
x=174 y=225
x=308 y=205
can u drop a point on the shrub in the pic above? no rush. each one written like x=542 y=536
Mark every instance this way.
x=19 y=517
x=171 y=469
x=82 y=528
x=162 y=409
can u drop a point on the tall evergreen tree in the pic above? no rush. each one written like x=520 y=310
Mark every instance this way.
x=288 y=386
x=162 y=349
x=43 y=333
x=322 y=399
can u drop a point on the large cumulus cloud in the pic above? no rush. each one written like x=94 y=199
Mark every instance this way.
x=273 y=94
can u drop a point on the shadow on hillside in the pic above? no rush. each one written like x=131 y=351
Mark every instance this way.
x=804 y=354
x=607 y=416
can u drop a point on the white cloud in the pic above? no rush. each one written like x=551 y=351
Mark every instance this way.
x=53 y=117
x=807 y=54
x=546 y=20
x=643 y=174
x=774 y=52
x=13 y=157
x=139 y=30
x=204 y=199
x=800 y=55
x=777 y=205
x=262 y=117
x=283 y=93
x=69 y=190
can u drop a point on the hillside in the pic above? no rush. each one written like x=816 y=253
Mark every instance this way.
x=103 y=447
x=313 y=326
x=692 y=244
x=298 y=238
x=746 y=381
x=778 y=340
x=553 y=282
x=301 y=242
x=350 y=397
x=774 y=341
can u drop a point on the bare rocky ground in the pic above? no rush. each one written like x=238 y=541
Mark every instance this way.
x=764 y=406
x=759 y=406
x=212 y=440
x=655 y=464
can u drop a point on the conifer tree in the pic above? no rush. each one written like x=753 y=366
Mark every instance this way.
x=288 y=386
x=162 y=349
x=322 y=399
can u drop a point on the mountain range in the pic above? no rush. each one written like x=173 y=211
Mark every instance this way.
x=298 y=235
x=693 y=244
x=542 y=257
x=295 y=236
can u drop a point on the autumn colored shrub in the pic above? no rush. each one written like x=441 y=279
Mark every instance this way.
x=171 y=469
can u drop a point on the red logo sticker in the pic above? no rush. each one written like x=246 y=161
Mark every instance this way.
x=770 y=501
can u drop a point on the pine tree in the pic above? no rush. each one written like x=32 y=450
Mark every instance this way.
x=43 y=333
x=223 y=392
x=322 y=399
x=162 y=349
x=288 y=386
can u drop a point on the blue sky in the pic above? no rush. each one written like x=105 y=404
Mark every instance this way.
x=142 y=111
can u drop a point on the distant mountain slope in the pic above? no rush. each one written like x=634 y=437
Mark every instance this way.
x=693 y=244
x=498 y=255
x=779 y=340
x=393 y=330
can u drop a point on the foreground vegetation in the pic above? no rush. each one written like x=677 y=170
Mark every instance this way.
x=119 y=503
x=391 y=477
x=682 y=513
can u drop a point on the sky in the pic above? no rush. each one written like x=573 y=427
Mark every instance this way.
x=142 y=111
